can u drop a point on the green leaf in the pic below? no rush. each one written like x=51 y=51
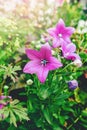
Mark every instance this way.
x=84 y=112
x=13 y=119
x=21 y=114
x=47 y=115
x=44 y=92
x=14 y=112
x=6 y=114
x=85 y=125
x=62 y=120
x=57 y=128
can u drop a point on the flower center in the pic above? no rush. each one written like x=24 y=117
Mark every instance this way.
x=44 y=62
x=60 y=35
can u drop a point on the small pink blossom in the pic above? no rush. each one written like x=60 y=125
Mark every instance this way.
x=60 y=33
x=5 y=103
x=41 y=62
x=68 y=51
x=1 y=106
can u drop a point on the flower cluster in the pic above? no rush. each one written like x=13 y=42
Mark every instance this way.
x=61 y=38
x=42 y=61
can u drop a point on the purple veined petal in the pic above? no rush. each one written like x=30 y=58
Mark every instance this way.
x=68 y=47
x=52 y=31
x=60 y=26
x=73 y=56
x=66 y=39
x=69 y=31
x=54 y=64
x=45 y=51
x=57 y=42
x=71 y=47
x=32 y=67
x=32 y=54
x=42 y=74
x=64 y=46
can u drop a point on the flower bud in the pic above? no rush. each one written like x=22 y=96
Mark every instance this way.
x=29 y=82
x=6 y=87
x=78 y=63
x=6 y=90
x=73 y=84
x=53 y=52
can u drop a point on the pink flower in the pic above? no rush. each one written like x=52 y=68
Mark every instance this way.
x=68 y=51
x=60 y=33
x=1 y=106
x=41 y=62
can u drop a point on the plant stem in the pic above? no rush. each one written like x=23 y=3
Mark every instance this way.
x=1 y=86
x=66 y=66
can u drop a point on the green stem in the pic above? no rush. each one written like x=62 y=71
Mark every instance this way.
x=1 y=86
x=66 y=66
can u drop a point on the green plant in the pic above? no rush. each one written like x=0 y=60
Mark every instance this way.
x=14 y=112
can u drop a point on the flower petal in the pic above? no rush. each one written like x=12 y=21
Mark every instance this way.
x=64 y=46
x=42 y=74
x=1 y=106
x=57 y=42
x=32 y=67
x=67 y=39
x=52 y=31
x=54 y=64
x=68 y=47
x=69 y=31
x=45 y=51
x=32 y=54
x=73 y=56
x=60 y=26
x=71 y=47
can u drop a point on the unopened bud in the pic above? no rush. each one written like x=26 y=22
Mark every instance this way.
x=53 y=52
x=6 y=90
x=29 y=82
x=73 y=84
x=78 y=63
x=6 y=87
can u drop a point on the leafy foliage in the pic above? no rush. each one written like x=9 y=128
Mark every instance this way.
x=9 y=71
x=13 y=112
x=51 y=106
